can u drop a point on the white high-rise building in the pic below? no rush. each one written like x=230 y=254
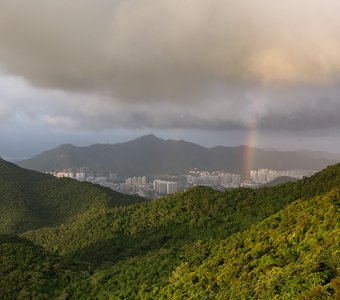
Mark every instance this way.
x=143 y=180
x=236 y=178
x=172 y=187
x=165 y=187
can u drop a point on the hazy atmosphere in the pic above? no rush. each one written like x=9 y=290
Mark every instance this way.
x=206 y=71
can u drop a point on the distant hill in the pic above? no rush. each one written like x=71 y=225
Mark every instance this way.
x=321 y=154
x=150 y=156
x=280 y=180
x=30 y=200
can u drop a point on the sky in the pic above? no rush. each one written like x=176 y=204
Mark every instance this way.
x=106 y=71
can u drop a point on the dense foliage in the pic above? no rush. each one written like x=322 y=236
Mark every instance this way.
x=293 y=253
x=30 y=200
x=29 y=272
x=271 y=243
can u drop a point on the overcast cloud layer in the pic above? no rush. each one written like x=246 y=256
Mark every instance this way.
x=171 y=64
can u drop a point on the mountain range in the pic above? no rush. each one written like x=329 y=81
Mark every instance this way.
x=268 y=243
x=152 y=156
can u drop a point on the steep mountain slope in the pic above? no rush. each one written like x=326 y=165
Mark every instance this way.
x=30 y=199
x=271 y=243
x=294 y=253
x=165 y=248
x=150 y=155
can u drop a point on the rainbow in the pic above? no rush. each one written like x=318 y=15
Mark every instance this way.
x=248 y=154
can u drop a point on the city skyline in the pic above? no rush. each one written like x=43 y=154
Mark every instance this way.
x=154 y=187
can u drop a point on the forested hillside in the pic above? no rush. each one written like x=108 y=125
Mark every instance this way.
x=29 y=272
x=30 y=200
x=271 y=243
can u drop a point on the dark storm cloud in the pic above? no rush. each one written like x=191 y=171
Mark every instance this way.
x=206 y=64
x=168 y=49
x=302 y=120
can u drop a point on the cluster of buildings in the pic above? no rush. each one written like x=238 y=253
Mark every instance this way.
x=154 y=187
x=79 y=174
x=262 y=176
x=148 y=189
x=137 y=181
x=214 y=179
x=132 y=185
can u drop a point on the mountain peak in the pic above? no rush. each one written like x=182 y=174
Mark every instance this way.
x=66 y=146
x=149 y=138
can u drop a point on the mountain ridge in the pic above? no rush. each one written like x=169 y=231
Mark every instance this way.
x=151 y=156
